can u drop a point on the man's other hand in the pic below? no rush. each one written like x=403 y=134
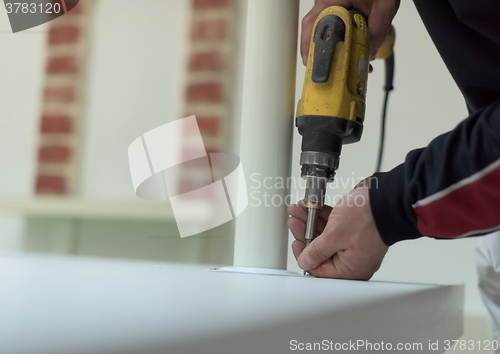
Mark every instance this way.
x=348 y=246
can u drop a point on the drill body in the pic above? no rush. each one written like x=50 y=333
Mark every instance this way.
x=331 y=110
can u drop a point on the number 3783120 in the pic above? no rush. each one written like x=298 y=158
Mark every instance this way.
x=33 y=8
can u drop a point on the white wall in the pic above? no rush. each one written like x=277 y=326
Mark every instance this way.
x=136 y=77
x=22 y=65
x=425 y=103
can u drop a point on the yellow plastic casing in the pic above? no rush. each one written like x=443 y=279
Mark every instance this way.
x=343 y=95
x=386 y=50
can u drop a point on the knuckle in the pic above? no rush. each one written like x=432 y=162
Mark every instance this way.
x=390 y=6
x=290 y=222
x=307 y=20
x=382 y=3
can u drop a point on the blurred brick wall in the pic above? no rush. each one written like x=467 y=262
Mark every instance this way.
x=63 y=103
x=206 y=93
x=209 y=68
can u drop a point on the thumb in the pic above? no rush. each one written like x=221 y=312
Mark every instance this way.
x=318 y=251
x=379 y=22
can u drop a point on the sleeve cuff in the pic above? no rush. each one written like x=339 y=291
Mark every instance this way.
x=392 y=213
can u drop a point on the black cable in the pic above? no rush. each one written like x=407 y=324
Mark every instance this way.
x=389 y=78
x=382 y=132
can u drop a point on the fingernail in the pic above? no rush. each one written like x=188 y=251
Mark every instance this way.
x=304 y=59
x=306 y=262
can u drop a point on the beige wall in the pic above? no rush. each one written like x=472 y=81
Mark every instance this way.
x=22 y=65
x=136 y=72
x=21 y=72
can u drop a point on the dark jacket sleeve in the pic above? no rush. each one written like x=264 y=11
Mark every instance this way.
x=451 y=188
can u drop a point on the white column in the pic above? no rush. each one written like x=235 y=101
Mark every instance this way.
x=267 y=112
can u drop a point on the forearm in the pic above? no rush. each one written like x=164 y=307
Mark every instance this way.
x=449 y=189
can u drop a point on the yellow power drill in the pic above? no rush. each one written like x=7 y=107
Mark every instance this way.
x=332 y=108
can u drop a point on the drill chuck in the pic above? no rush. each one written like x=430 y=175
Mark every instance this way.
x=318 y=169
x=315 y=192
x=319 y=164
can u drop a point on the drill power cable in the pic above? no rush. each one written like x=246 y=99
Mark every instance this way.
x=389 y=79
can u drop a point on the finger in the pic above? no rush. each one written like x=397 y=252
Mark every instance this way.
x=320 y=226
x=379 y=22
x=364 y=183
x=297 y=247
x=299 y=211
x=322 y=248
x=298 y=228
x=310 y=18
x=338 y=268
x=305 y=36
x=324 y=213
x=332 y=268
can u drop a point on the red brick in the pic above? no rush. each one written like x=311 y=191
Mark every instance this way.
x=209 y=125
x=64 y=34
x=205 y=92
x=209 y=29
x=60 y=94
x=57 y=154
x=214 y=61
x=51 y=184
x=56 y=124
x=204 y=4
x=62 y=65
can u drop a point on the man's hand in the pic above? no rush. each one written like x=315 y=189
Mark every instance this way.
x=349 y=245
x=379 y=13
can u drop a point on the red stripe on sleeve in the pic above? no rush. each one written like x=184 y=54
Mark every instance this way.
x=471 y=209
